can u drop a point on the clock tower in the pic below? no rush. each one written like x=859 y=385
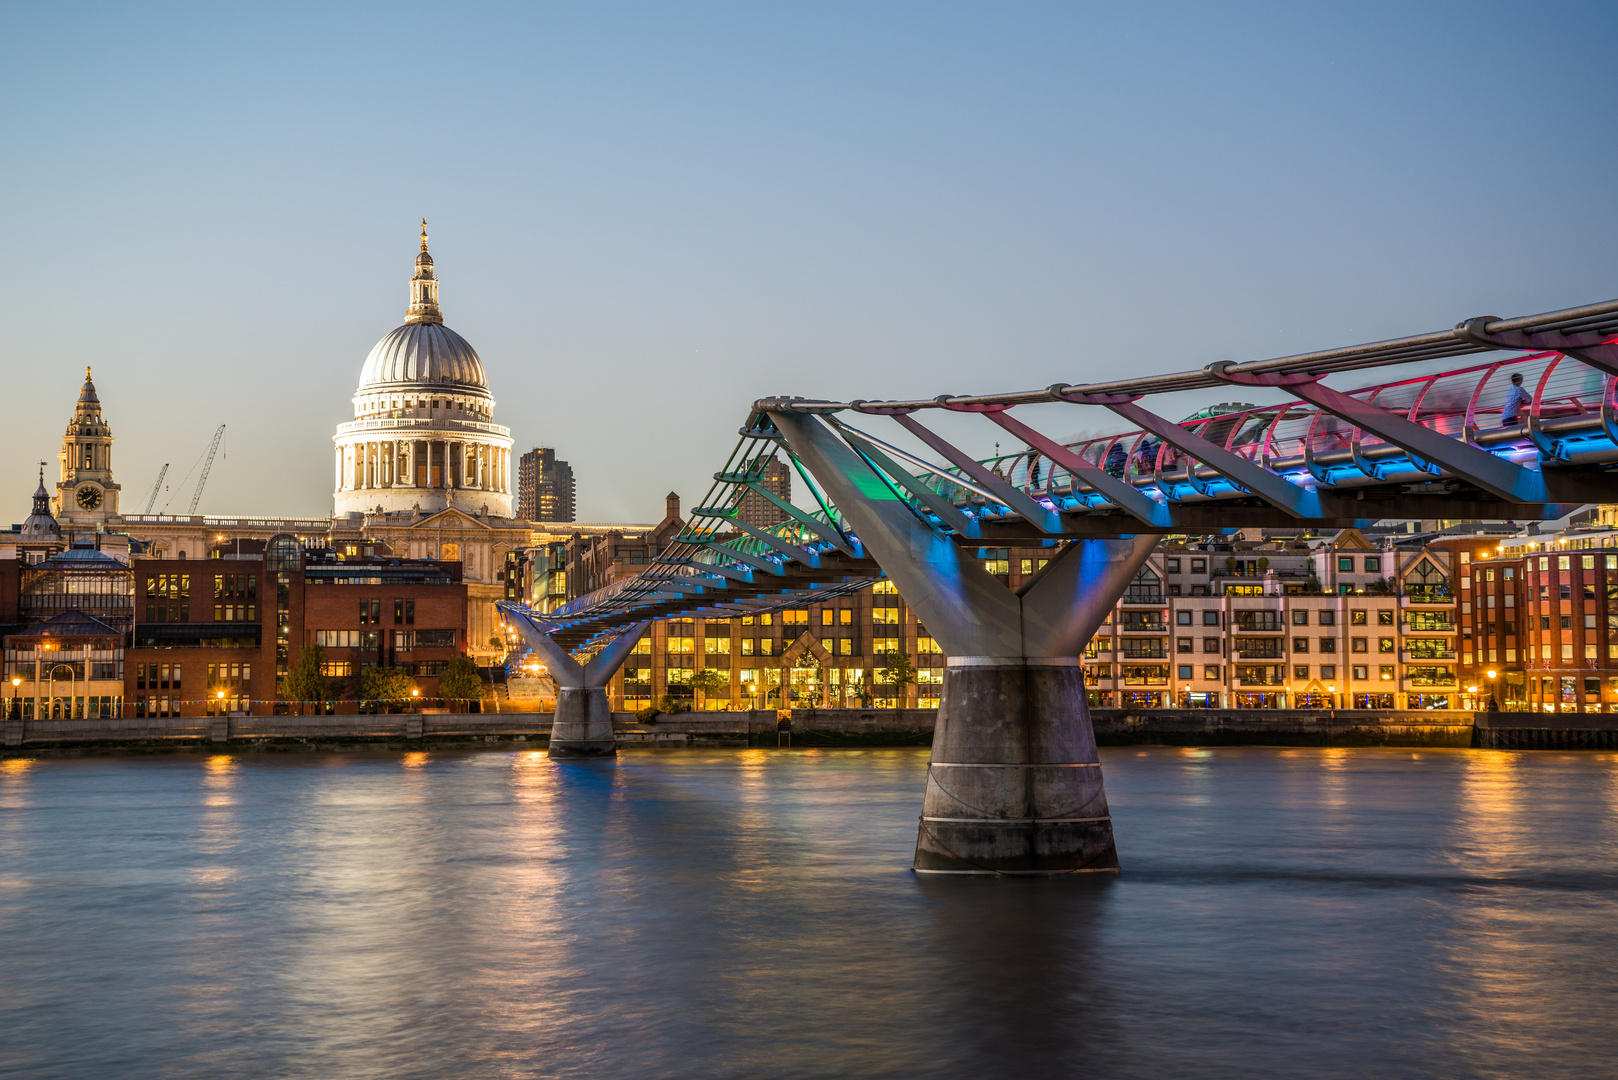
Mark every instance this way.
x=86 y=494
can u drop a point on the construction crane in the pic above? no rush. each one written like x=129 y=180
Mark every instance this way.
x=205 y=459
x=203 y=479
x=157 y=487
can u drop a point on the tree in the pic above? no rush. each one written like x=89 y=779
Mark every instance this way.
x=306 y=680
x=385 y=685
x=495 y=642
x=708 y=680
x=899 y=671
x=460 y=680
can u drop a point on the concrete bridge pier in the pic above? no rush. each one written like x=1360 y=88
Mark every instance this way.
x=1014 y=786
x=582 y=726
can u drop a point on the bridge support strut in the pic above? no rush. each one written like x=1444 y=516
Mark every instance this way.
x=1014 y=786
x=582 y=724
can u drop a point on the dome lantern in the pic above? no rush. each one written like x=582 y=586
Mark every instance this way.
x=424 y=287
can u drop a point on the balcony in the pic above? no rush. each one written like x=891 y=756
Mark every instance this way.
x=1138 y=622
x=1263 y=675
x=1144 y=649
x=1145 y=674
x=1141 y=598
x=1260 y=680
x=1429 y=622
x=1419 y=679
x=1413 y=657
x=1268 y=651
x=1263 y=622
x=1426 y=594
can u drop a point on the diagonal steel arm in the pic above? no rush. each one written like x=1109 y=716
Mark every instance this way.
x=1297 y=501
x=962 y=605
x=1502 y=478
x=945 y=510
x=1035 y=513
x=1126 y=496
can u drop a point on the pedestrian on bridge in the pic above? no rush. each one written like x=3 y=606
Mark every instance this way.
x=1516 y=398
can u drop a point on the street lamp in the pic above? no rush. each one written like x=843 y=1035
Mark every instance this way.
x=16 y=709
x=1492 y=674
x=415 y=697
x=220 y=697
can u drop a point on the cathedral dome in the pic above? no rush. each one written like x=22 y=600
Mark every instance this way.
x=423 y=437
x=423 y=353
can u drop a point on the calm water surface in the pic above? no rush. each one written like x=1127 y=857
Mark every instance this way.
x=751 y=914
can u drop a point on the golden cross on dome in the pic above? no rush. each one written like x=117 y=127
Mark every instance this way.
x=424 y=234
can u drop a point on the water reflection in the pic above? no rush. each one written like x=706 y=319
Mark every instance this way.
x=716 y=913
x=1021 y=999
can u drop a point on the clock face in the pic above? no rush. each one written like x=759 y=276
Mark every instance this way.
x=88 y=497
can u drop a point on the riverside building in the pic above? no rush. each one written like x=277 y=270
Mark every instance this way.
x=1539 y=622
x=211 y=634
x=1340 y=622
x=422 y=470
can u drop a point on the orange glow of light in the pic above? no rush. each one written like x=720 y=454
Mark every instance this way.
x=415 y=759
x=16 y=764
x=220 y=763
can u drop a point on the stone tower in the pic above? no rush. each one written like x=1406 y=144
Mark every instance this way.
x=86 y=493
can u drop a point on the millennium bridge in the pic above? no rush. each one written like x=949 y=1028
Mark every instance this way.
x=1014 y=785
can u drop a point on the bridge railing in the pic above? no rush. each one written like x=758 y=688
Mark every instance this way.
x=1571 y=411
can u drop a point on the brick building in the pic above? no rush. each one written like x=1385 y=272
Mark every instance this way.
x=215 y=635
x=1541 y=614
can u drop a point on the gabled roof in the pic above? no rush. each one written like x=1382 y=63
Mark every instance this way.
x=69 y=624
x=1352 y=540
x=450 y=516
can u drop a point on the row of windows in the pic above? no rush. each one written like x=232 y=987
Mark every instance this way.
x=156 y=613
x=844 y=646
x=1565 y=562
x=1345 y=565
x=157 y=676
x=1267 y=674
x=235 y=586
x=403 y=640
x=404 y=612
x=171 y=586
x=65 y=708
x=229 y=677
x=1271 y=620
x=343 y=669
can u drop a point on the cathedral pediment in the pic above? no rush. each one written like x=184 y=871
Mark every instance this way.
x=450 y=518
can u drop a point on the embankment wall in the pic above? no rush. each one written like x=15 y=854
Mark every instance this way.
x=818 y=727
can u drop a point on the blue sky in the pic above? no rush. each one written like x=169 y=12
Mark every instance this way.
x=646 y=216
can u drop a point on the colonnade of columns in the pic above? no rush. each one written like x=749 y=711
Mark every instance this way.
x=457 y=464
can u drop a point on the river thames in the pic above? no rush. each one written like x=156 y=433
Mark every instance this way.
x=749 y=913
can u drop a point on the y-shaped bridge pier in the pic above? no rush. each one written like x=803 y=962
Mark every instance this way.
x=1014 y=785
